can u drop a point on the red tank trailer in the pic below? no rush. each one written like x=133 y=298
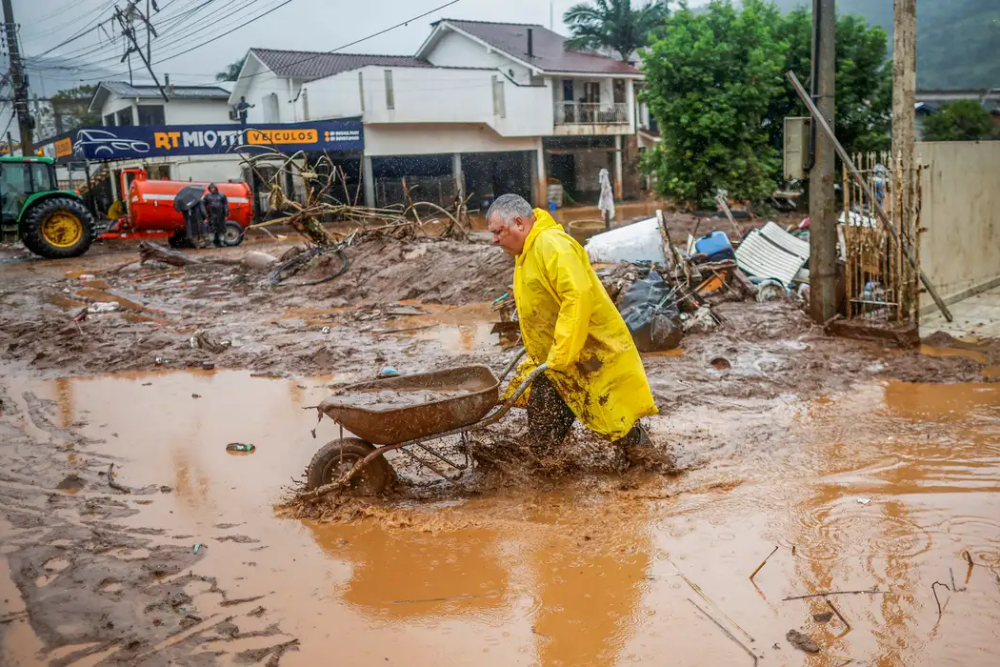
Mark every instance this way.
x=151 y=213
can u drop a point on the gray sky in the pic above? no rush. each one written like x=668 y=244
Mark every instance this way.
x=309 y=25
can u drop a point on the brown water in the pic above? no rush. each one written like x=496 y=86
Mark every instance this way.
x=586 y=572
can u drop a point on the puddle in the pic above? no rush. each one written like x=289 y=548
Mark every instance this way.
x=102 y=296
x=463 y=329
x=594 y=572
x=978 y=357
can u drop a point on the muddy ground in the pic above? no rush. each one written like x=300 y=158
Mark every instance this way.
x=130 y=536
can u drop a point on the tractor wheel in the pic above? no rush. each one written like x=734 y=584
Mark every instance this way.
x=57 y=228
x=233 y=235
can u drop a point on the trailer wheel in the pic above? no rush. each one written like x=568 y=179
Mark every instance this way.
x=57 y=228
x=339 y=457
x=233 y=235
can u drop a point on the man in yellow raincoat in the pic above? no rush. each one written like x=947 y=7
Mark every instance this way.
x=569 y=322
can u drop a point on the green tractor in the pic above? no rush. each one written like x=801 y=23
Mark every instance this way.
x=50 y=222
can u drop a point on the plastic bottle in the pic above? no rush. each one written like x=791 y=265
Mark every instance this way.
x=240 y=447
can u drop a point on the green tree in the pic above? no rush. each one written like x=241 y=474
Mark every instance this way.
x=711 y=81
x=232 y=71
x=863 y=80
x=962 y=120
x=614 y=25
x=72 y=108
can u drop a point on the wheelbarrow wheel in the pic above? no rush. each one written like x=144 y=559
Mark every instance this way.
x=339 y=457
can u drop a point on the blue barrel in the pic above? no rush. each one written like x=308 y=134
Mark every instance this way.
x=716 y=245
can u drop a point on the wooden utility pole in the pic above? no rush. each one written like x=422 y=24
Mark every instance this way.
x=904 y=95
x=823 y=296
x=20 y=83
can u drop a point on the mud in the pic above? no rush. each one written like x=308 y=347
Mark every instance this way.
x=567 y=560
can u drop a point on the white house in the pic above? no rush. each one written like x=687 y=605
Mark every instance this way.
x=480 y=109
x=121 y=104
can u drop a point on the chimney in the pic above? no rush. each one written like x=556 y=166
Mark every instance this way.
x=531 y=43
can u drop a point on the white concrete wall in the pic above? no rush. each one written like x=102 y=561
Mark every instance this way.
x=388 y=140
x=258 y=84
x=114 y=104
x=529 y=111
x=196 y=112
x=455 y=50
x=960 y=252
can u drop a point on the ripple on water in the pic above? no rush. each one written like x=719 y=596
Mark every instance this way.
x=839 y=530
x=978 y=535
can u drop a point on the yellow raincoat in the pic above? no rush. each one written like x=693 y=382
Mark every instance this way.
x=568 y=320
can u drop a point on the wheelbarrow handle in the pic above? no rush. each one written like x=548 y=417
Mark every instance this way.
x=513 y=363
x=509 y=403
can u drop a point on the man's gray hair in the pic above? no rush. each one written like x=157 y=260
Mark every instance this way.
x=510 y=206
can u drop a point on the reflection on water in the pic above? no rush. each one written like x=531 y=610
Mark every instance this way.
x=885 y=488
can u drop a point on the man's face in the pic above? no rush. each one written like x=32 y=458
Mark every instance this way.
x=214 y=191
x=510 y=237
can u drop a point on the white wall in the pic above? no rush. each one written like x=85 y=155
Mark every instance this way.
x=455 y=50
x=387 y=140
x=196 y=112
x=529 y=111
x=960 y=252
x=260 y=82
x=114 y=104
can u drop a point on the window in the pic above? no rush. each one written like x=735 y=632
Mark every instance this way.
x=41 y=177
x=499 y=104
x=568 y=90
x=109 y=120
x=14 y=188
x=151 y=114
x=619 y=91
x=124 y=117
x=592 y=92
x=390 y=98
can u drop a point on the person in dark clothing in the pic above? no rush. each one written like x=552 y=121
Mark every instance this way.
x=217 y=207
x=194 y=224
x=241 y=109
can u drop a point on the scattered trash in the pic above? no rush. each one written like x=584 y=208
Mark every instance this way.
x=651 y=315
x=388 y=372
x=198 y=547
x=160 y=361
x=103 y=307
x=227 y=343
x=715 y=246
x=326 y=330
x=240 y=447
x=700 y=322
x=864 y=501
x=87 y=277
x=638 y=242
x=802 y=641
x=770 y=290
x=193 y=342
x=207 y=366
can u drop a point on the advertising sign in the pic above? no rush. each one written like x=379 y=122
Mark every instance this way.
x=128 y=142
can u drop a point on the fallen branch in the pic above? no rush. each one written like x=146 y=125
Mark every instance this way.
x=934 y=590
x=151 y=251
x=761 y=566
x=724 y=629
x=113 y=484
x=823 y=595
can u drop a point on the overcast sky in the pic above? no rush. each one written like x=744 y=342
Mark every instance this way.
x=310 y=25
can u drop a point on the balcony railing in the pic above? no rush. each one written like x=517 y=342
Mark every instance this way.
x=586 y=113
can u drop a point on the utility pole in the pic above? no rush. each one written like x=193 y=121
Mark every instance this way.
x=823 y=295
x=904 y=94
x=20 y=83
x=125 y=21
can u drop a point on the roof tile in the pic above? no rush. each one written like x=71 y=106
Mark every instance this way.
x=309 y=65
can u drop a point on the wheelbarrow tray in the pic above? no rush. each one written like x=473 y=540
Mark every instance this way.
x=398 y=409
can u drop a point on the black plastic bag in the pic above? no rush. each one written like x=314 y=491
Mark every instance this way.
x=651 y=315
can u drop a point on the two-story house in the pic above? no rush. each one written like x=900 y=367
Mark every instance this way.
x=479 y=110
x=121 y=104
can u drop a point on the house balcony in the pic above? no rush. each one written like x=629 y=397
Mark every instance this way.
x=598 y=118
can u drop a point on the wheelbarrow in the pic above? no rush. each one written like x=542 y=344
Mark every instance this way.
x=406 y=412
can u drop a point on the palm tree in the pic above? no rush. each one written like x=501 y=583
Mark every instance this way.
x=614 y=24
x=232 y=71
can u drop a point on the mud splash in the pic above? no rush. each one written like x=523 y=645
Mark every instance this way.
x=884 y=487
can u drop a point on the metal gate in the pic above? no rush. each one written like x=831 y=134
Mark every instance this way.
x=880 y=284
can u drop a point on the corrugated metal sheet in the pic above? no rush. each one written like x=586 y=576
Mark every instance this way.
x=772 y=253
x=311 y=65
x=123 y=89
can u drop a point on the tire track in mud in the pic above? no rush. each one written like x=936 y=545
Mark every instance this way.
x=92 y=590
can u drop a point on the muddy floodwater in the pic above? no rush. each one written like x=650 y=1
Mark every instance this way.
x=887 y=488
